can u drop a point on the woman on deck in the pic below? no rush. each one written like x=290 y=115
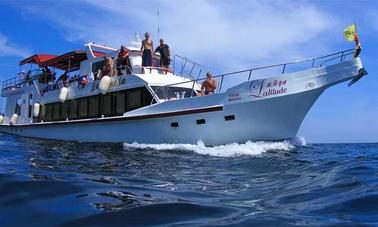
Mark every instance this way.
x=108 y=69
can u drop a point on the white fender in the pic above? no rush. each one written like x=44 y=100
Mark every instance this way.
x=63 y=94
x=36 y=109
x=1 y=119
x=104 y=84
x=13 y=119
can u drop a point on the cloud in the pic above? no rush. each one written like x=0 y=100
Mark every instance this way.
x=9 y=49
x=371 y=19
x=226 y=34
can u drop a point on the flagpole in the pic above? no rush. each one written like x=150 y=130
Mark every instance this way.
x=355 y=26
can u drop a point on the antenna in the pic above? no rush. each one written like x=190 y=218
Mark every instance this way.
x=136 y=43
x=158 y=24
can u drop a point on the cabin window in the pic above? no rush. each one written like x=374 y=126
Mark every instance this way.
x=42 y=111
x=93 y=108
x=173 y=92
x=18 y=107
x=147 y=97
x=55 y=111
x=96 y=66
x=83 y=108
x=48 y=113
x=64 y=111
x=73 y=109
x=120 y=100
x=134 y=99
x=30 y=105
x=106 y=105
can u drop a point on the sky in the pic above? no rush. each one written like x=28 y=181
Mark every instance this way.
x=223 y=35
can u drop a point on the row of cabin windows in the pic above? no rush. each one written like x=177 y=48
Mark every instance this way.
x=110 y=104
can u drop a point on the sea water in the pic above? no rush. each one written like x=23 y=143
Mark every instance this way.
x=44 y=182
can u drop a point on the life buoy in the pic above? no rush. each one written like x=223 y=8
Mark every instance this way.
x=104 y=84
x=36 y=109
x=1 y=119
x=13 y=119
x=63 y=94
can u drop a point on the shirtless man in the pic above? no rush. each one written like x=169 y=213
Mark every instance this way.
x=147 y=48
x=209 y=85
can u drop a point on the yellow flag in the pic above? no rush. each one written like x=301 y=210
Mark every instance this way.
x=349 y=32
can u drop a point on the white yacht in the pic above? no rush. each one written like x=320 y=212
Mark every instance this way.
x=156 y=105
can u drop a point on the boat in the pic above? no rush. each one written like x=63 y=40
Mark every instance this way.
x=157 y=105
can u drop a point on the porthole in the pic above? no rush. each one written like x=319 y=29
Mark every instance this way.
x=229 y=118
x=201 y=121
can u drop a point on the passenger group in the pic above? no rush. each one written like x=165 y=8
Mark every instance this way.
x=123 y=66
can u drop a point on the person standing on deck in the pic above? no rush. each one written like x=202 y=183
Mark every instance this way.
x=124 y=61
x=165 y=55
x=146 y=49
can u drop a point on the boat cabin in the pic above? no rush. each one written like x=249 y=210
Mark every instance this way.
x=65 y=87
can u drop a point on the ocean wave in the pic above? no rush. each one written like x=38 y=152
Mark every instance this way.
x=300 y=141
x=228 y=150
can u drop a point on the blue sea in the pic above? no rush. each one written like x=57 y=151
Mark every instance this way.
x=285 y=183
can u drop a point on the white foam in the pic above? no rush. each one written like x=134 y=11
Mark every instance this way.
x=300 y=141
x=233 y=149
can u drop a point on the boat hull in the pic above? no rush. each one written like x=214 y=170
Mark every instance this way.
x=268 y=119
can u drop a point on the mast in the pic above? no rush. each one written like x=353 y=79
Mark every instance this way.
x=158 y=18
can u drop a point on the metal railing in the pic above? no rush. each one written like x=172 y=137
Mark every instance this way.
x=15 y=83
x=283 y=68
x=187 y=68
x=19 y=81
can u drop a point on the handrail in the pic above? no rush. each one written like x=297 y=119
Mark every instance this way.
x=338 y=55
x=18 y=82
x=189 y=60
x=192 y=66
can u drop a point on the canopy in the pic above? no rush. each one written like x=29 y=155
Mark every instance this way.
x=69 y=61
x=37 y=59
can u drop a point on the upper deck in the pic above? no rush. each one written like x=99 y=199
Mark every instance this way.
x=184 y=72
x=86 y=63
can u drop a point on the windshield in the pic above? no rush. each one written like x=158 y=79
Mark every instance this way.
x=173 y=92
